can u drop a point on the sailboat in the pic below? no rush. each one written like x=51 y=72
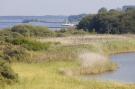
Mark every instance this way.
x=67 y=24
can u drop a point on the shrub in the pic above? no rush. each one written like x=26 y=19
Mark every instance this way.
x=36 y=46
x=7 y=75
x=7 y=34
x=30 y=44
x=70 y=31
x=30 y=31
x=60 y=34
x=16 y=53
x=12 y=53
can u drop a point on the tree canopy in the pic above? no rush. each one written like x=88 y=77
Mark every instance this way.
x=111 y=22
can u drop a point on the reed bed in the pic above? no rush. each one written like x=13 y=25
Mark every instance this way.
x=74 y=55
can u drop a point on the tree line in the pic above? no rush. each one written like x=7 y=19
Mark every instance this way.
x=109 y=22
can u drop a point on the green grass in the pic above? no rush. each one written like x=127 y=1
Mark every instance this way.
x=117 y=46
x=103 y=47
x=47 y=76
x=7 y=75
x=57 y=59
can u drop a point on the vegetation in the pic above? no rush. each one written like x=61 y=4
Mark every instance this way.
x=110 y=22
x=76 y=18
x=32 y=31
x=7 y=75
x=47 y=76
x=98 y=68
x=45 y=59
x=29 y=31
x=30 y=44
x=14 y=47
x=70 y=32
x=15 y=53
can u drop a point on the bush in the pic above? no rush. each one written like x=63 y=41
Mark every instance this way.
x=60 y=34
x=12 y=53
x=7 y=34
x=36 y=46
x=30 y=31
x=16 y=53
x=30 y=44
x=70 y=31
x=7 y=75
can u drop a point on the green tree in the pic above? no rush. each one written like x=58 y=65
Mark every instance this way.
x=111 y=22
x=102 y=10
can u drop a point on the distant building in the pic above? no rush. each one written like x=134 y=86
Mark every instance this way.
x=126 y=8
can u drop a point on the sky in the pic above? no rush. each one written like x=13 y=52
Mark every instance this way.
x=57 y=7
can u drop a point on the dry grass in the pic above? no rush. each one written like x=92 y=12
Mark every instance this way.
x=89 y=59
x=47 y=76
x=93 y=63
x=92 y=51
x=85 y=39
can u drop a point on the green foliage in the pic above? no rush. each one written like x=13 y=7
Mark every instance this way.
x=30 y=44
x=7 y=75
x=16 y=54
x=68 y=32
x=102 y=10
x=85 y=22
x=47 y=76
x=11 y=53
x=30 y=31
x=8 y=34
x=16 y=36
x=76 y=18
x=111 y=22
x=34 y=45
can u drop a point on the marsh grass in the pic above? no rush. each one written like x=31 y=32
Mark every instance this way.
x=64 y=56
x=98 y=68
x=73 y=46
x=47 y=76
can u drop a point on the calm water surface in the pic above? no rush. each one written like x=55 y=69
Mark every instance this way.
x=10 y=21
x=125 y=73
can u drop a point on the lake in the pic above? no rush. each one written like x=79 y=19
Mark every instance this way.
x=52 y=22
x=125 y=73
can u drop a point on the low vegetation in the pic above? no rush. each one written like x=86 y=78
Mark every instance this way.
x=32 y=31
x=42 y=58
x=7 y=75
x=47 y=76
x=30 y=44
x=70 y=32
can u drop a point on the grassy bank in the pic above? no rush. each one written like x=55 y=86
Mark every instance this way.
x=103 y=45
x=47 y=76
x=51 y=62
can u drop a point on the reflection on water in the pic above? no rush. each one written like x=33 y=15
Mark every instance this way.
x=125 y=73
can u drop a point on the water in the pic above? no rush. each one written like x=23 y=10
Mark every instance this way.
x=10 y=21
x=125 y=73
